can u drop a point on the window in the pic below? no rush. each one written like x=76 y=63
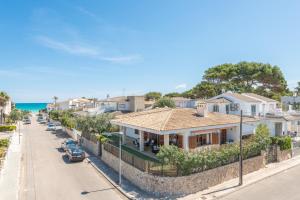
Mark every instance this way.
x=136 y=131
x=201 y=140
x=253 y=110
x=216 y=108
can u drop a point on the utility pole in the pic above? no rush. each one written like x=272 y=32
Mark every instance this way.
x=241 y=151
x=120 y=159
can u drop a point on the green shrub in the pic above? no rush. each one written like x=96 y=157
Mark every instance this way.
x=262 y=135
x=284 y=142
x=4 y=143
x=193 y=162
x=7 y=128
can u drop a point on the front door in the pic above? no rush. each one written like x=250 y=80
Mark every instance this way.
x=223 y=136
x=278 y=129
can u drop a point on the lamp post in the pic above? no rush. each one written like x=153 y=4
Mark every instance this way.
x=120 y=155
x=241 y=151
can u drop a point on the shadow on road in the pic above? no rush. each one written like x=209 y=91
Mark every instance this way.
x=88 y=192
x=221 y=190
x=60 y=150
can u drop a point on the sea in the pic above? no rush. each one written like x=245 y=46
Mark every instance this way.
x=32 y=107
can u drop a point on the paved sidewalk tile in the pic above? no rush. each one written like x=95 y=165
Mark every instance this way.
x=9 y=177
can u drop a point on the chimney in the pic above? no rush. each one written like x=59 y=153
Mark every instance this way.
x=202 y=109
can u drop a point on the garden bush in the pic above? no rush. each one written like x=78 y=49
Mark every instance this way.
x=193 y=162
x=284 y=142
x=7 y=128
x=4 y=143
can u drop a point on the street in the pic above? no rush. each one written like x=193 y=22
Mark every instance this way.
x=45 y=174
x=282 y=186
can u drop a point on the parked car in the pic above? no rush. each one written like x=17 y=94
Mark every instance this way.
x=40 y=118
x=54 y=126
x=26 y=121
x=64 y=144
x=43 y=121
x=75 y=154
x=51 y=127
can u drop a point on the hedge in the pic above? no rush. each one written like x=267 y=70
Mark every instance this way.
x=284 y=142
x=7 y=128
x=193 y=162
x=4 y=143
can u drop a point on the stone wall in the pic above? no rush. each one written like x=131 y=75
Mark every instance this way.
x=185 y=184
x=90 y=146
x=283 y=155
x=70 y=133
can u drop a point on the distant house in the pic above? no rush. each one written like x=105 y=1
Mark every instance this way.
x=187 y=128
x=263 y=108
x=182 y=102
x=77 y=103
x=122 y=103
x=290 y=102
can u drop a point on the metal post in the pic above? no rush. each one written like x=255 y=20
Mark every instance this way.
x=120 y=160
x=241 y=151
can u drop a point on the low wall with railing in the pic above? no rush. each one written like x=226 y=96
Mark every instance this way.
x=182 y=185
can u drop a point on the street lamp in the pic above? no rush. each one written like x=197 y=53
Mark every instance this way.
x=241 y=151
x=120 y=155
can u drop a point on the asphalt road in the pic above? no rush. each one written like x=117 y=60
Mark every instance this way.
x=46 y=175
x=283 y=186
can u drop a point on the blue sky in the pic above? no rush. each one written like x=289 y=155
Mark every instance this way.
x=92 y=48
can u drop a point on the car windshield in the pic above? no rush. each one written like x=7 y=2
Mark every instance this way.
x=70 y=142
x=77 y=152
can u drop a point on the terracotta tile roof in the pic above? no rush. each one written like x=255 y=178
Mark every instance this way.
x=259 y=97
x=168 y=119
x=242 y=97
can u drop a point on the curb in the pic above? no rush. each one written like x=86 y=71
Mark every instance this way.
x=111 y=181
x=258 y=180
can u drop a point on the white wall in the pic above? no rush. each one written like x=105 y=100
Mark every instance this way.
x=131 y=133
x=7 y=108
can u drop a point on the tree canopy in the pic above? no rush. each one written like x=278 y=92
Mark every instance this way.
x=153 y=96
x=164 y=102
x=4 y=95
x=173 y=94
x=260 y=78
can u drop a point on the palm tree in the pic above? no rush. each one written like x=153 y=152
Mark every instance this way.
x=4 y=98
x=55 y=98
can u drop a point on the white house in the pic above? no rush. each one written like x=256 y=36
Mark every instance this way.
x=122 y=103
x=182 y=102
x=265 y=109
x=188 y=128
x=77 y=103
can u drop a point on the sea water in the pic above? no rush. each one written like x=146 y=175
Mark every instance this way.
x=32 y=107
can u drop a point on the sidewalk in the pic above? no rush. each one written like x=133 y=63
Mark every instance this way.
x=215 y=192
x=231 y=186
x=127 y=189
x=9 y=177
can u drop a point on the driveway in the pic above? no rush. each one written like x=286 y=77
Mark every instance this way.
x=46 y=174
